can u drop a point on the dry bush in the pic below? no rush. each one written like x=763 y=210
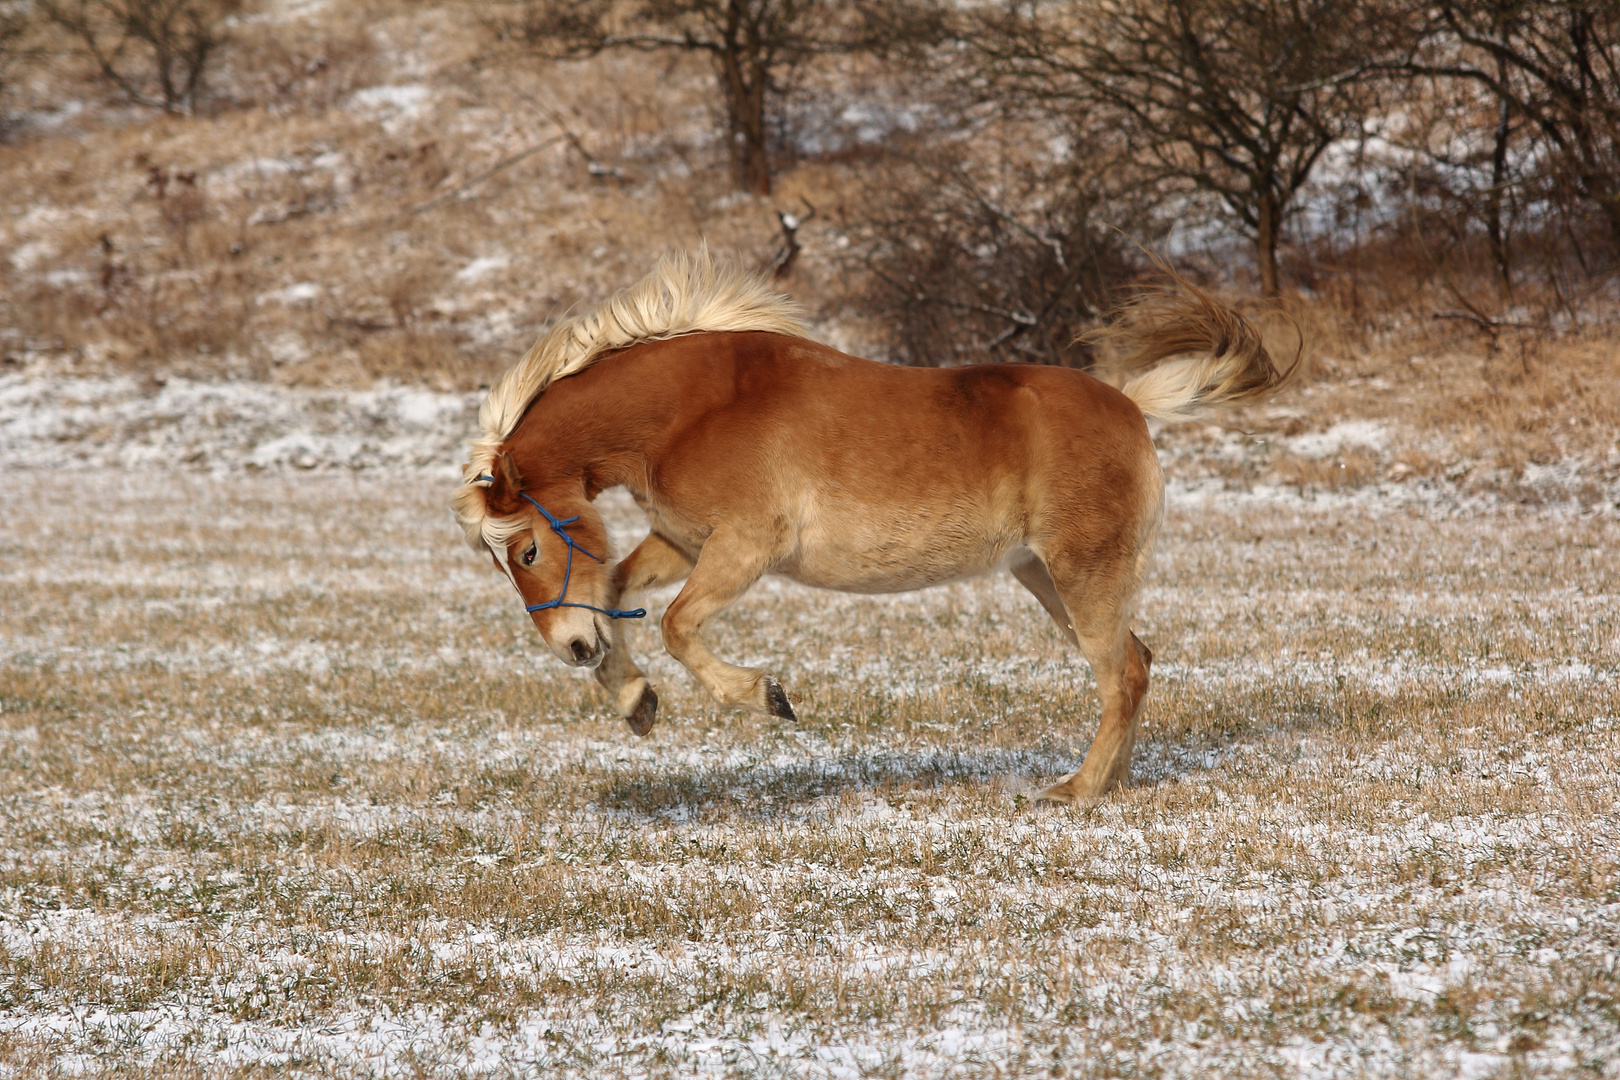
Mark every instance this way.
x=16 y=50
x=1566 y=401
x=1470 y=221
x=308 y=66
x=1009 y=261
x=1453 y=408
x=156 y=52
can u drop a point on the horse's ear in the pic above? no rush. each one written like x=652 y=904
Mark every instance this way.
x=504 y=496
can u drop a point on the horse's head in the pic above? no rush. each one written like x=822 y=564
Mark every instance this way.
x=551 y=544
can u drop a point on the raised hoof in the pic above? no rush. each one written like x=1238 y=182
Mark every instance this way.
x=776 y=701
x=646 y=711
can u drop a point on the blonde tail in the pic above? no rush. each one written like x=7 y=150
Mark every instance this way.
x=1179 y=351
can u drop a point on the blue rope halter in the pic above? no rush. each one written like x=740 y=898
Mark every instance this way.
x=560 y=527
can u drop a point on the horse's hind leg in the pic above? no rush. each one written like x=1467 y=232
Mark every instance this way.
x=727 y=566
x=1031 y=574
x=1121 y=665
x=1093 y=609
x=654 y=562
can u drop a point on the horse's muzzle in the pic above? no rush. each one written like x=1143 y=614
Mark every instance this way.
x=587 y=654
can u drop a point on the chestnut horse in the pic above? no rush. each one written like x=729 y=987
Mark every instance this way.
x=754 y=450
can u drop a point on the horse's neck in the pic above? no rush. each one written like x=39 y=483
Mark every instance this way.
x=601 y=424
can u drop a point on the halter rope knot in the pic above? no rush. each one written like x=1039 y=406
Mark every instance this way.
x=560 y=527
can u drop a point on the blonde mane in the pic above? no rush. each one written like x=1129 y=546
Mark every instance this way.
x=687 y=293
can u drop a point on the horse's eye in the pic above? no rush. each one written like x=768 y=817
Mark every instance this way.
x=528 y=556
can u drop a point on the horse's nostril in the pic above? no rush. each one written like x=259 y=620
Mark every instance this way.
x=581 y=653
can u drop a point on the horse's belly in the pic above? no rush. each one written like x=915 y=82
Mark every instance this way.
x=906 y=580
x=895 y=560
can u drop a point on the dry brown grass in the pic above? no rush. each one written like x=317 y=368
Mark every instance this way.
x=290 y=783
x=1435 y=407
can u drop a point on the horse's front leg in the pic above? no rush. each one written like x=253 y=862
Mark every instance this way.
x=729 y=563
x=633 y=696
x=655 y=562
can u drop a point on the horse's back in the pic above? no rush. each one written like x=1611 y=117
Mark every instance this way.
x=925 y=407
x=1059 y=427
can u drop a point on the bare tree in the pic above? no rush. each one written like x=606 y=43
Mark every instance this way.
x=1235 y=98
x=754 y=45
x=155 y=51
x=1554 y=64
x=1466 y=171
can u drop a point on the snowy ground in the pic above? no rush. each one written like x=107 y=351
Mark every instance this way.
x=287 y=784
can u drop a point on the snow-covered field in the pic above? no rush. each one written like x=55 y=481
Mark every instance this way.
x=286 y=784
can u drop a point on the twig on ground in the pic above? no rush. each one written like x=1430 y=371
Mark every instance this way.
x=787 y=252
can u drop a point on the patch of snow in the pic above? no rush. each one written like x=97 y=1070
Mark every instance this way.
x=299 y=449
x=302 y=292
x=226 y=426
x=287 y=10
x=425 y=409
x=256 y=168
x=817 y=129
x=478 y=268
x=398 y=98
x=54 y=117
x=1559 y=474
x=395 y=106
x=1348 y=434
x=288 y=348
x=29 y=255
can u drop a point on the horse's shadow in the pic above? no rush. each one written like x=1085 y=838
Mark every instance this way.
x=793 y=788
x=801 y=787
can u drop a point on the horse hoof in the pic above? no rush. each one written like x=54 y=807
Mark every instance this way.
x=1057 y=793
x=776 y=702
x=646 y=711
x=1063 y=795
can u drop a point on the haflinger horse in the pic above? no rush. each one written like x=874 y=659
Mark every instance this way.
x=754 y=450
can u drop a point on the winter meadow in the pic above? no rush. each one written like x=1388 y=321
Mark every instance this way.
x=290 y=785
